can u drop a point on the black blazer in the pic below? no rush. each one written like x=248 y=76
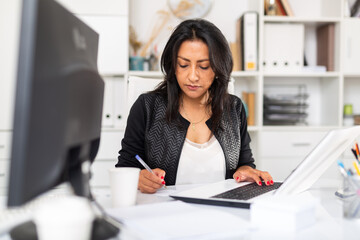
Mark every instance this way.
x=160 y=144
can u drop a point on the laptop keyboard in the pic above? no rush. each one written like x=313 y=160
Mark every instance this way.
x=248 y=191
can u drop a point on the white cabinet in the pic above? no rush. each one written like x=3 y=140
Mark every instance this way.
x=5 y=150
x=115 y=103
x=110 y=145
x=5 y=144
x=109 y=19
x=4 y=171
x=97 y=7
x=113 y=42
x=287 y=144
x=9 y=35
x=281 y=151
x=106 y=158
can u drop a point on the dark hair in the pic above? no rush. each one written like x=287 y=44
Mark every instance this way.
x=220 y=61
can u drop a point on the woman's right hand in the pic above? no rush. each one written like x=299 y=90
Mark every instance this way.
x=150 y=183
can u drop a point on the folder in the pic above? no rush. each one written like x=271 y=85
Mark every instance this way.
x=283 y=47
x=247 y=33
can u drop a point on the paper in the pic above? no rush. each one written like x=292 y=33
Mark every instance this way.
x=179 y=220
x=170 y=190
x=284 y=212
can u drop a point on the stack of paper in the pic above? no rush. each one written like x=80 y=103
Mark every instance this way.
x=179 y=220
x=285 y=105
x=285 y=213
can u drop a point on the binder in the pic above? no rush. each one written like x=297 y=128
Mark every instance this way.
x=325 y=36
x=351 y=38
x=283 y=47
x=248 y=30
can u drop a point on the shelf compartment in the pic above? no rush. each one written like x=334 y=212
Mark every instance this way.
x=149 y=74
x=351 y=93
x=324 y=97
x=314 y=21
x=304 y=74
x=249 y=84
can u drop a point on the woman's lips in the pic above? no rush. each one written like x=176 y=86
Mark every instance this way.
x=192 y=88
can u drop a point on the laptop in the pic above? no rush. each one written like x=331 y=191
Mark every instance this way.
x=231 y=193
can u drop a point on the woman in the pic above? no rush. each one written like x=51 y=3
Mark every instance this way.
x=189 y=129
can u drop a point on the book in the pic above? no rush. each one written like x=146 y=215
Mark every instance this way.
x=325 y=35
x=235 y=51
x=287 y=7
x=239 y=44
x=249 y=101
x=280 y=10
x=355 y=9
x=251 y=107
x=270 y=8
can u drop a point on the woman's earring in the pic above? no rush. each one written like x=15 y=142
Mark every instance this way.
x=216 y=77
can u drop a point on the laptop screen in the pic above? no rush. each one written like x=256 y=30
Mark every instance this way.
x=318 y=160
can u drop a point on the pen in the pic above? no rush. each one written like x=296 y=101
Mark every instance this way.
x=357 y=150
x=356 y=167
x=347 y=175
x=355 y=154
x=342 y=169
x=145 y=165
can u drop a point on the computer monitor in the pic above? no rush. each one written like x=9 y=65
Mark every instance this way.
x=58 y=103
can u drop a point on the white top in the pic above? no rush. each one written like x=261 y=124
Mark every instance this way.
x=201 y=163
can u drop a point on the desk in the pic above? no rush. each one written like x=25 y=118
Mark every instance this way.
x=329 y=224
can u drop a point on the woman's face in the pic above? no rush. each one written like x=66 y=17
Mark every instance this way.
x=193 y=72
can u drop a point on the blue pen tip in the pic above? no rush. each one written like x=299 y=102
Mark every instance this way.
x=340 y=164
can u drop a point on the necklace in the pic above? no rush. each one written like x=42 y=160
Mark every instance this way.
x=192 y=123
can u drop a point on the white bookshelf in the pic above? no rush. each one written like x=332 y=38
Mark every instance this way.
x=329 y=90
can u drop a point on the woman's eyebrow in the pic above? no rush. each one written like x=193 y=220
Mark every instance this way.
x=188 y=60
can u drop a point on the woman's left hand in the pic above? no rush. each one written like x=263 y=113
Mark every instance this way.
x=249 y=174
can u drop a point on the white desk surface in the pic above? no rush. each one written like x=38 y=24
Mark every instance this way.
x=330 y=223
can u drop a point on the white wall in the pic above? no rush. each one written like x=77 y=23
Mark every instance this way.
x=9 y=33
x=143 y=17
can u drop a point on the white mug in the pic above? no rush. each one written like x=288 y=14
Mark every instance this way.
x=123 y=184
